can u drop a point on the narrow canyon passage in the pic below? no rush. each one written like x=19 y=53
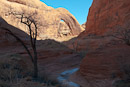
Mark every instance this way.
x=64 y=43
x=60 y=67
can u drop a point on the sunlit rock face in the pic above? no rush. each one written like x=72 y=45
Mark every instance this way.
x=47 y=17
x=105 y=57
x=105 y=15
x=83 y=26
x=63 y=29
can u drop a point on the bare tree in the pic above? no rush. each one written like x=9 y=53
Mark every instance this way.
x=31 y=23
x=123 y=34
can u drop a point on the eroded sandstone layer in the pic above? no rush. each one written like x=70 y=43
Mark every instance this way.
x=106 y=55
x=106 y=15
x=48 y=18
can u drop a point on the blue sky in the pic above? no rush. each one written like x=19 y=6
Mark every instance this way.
x=79 y=8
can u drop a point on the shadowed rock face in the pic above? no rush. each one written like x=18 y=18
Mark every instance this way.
x=47 y=17
x=107 y=63
x=105 y=56
x=5 y=38
x=105 y=15
x=53 y=57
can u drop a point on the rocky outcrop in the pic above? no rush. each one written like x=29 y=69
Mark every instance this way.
x=83 y=25
x=106 y=15
x=48 y=18
x=6 y=39
x=32 y=3
x=107 y=63
x=63 y=29
x=106 y=56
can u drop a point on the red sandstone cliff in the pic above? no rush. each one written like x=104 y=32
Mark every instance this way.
x=106 y=56
x=105 y=15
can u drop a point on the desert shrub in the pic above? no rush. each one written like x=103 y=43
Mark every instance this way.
x=126 y=70
x=48 y=80
x=125 y=80
x=123 y=34
x=122 y=83
x=14 y=73
x=4 y=84
x=10 y=70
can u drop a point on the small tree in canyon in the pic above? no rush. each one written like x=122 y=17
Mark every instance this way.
x=123 y=34
x=31 y=23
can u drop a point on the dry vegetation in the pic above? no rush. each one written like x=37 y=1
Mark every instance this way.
x=15 y=72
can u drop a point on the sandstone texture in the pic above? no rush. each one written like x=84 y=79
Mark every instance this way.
x=5 y=38
x=83 y=25
x=48 y=18
x=106 y=63
x=53 y=56
x=106 y=15
x=106 y=56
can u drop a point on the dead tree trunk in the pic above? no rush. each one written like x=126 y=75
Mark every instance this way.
x=29 y=21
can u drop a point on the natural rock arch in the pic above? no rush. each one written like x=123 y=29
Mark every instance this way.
x=48 y=17
x=73 y=25
x=63 y=29
x=70 y=20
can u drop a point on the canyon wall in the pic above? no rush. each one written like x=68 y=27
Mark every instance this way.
x=106 y=15
x=106 y=56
